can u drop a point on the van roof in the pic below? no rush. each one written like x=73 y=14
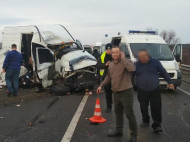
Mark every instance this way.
x=52 y=34
x=142 y=38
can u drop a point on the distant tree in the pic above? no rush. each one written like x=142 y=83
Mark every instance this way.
x=170 y=37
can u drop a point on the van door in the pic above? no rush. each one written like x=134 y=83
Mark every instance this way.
x=177 y=52
x=44 y=59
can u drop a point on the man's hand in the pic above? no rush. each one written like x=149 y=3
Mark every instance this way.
x=108 y=63
x=3 y=70
x=99 y=90
x=171 y=86
x=122 y=55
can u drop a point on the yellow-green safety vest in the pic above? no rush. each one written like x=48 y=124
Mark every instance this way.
x=102 y=60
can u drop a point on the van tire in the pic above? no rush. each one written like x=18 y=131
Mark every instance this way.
x=59 y=90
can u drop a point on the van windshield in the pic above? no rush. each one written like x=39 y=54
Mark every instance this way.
x=54 y=34
x=157 y=51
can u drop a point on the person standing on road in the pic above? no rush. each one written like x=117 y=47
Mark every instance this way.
x=119 y=75
x=103 y=64
x=147 y=81
x=11 y=66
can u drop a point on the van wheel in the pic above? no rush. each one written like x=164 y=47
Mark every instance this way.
x=59 y=90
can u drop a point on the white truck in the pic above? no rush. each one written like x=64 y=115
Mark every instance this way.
x=54 y=53
x=131 y=43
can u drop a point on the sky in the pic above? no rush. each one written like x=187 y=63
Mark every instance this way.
x=90 y=20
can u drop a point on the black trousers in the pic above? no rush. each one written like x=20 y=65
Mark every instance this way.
x=108 y=95
x=154 y=99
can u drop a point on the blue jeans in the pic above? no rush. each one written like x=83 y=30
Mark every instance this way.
x=12 y=78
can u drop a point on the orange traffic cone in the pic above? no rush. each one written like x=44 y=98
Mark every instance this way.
x=97 y=114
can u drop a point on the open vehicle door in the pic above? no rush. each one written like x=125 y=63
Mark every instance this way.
x=177 y=52
x=44 y=60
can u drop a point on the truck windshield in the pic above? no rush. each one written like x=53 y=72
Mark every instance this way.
x=157 y=51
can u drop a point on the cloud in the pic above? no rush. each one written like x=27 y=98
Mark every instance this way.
x=89 y=20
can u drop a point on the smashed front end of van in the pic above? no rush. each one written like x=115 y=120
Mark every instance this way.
x=76 y=67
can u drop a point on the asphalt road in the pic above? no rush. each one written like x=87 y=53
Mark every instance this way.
x=46 y=119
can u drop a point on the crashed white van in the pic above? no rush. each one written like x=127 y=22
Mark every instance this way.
x=56 y=56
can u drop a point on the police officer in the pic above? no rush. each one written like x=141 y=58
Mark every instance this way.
x=103 y=64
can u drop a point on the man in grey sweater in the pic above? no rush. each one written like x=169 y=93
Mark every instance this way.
x=119 y=74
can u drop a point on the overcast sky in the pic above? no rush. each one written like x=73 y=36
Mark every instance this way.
x=90 y=20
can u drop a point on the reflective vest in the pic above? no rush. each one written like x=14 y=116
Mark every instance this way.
x=102 y=60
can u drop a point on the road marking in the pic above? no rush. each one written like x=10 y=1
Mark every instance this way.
x=183 y=91
x=70 y=130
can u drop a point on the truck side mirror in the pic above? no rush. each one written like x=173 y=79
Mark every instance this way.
x=178 y=58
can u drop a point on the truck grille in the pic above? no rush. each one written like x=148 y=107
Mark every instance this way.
x=170 y=74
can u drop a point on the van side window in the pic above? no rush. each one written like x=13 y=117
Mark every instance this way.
x=124 y=49
x=45 y=56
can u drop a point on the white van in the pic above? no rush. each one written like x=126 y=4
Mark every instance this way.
x=54 y=52
x=136 y=40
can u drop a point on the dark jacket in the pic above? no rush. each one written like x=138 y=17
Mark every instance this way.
x=13 y=60
x=147 y=75
x=101 y=65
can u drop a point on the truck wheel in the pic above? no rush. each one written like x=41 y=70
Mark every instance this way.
x=59 y=90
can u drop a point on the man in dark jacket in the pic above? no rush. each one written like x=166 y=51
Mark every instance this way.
x=11 y=66
x=147 y=81
x=103 y=64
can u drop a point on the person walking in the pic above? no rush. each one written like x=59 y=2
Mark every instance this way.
x=11 y=67
x=148 y=71
x=119 y=75
x=103 y=65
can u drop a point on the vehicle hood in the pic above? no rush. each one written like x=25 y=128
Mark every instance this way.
x=168 y=65
x=77 y=60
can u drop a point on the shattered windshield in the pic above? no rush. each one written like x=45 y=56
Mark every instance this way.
x=54 y=34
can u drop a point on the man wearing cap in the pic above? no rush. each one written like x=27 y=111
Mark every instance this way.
x=103 y=64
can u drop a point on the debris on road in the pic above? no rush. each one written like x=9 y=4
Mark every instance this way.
x=18 y=105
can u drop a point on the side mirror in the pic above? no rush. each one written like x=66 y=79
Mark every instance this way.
x=178 y=58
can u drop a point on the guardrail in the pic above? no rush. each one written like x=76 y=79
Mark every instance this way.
x=185 y=69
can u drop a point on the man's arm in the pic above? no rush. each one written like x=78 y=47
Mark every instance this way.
x=101 y=65
x=106 y=81
x=6 y=61
x=164 y=73
x=166 y=76
x=129 y=66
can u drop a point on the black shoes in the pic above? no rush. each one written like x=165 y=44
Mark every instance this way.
x=132 y=138
x=157 y=129
x=115 y=134
x=144 y=124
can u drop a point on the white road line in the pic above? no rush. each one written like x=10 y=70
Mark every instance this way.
x=70 y=130
x=183 y=91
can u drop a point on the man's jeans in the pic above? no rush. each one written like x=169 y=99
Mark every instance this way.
x=12 y=78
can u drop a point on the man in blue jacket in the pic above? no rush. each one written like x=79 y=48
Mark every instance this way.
x=11 y=66
x=147 y=81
